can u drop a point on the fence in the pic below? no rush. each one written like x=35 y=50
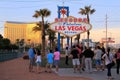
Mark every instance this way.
x=8 y=55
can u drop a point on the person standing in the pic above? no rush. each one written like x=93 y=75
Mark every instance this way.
x=80 y=56
x=56 y=59
x=98 y=54
x=66 y=55
x=103 y=61
x=49 y=62
x=82 y=61
x=117 y=56
x=75 y=59
x=109 y=58
x=31 y=54
x=38 y=60
x=88 y=55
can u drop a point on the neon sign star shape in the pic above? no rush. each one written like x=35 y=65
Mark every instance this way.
x=63 y=11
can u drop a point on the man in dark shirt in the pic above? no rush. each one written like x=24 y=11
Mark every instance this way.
x=88 y=55
x=75 y=58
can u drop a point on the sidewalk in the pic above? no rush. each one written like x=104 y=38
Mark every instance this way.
x=101 y=75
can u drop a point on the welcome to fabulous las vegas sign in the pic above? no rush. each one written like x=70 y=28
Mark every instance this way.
x=70 y=26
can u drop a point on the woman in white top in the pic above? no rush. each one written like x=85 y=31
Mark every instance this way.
x=108 y=62
x=38 y=60
x=66 y=55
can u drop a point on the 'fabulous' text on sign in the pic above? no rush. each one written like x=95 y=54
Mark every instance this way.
x=70 y=26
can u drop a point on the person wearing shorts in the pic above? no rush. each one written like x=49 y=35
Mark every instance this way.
x=75 y=59
x=31 y=55
x=49 y=62
x=56 y=59
x=38 y=60
x=98 y=56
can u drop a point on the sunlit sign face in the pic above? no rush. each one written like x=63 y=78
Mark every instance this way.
x=70 y=26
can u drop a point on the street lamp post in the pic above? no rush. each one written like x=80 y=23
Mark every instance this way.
x=106 y=34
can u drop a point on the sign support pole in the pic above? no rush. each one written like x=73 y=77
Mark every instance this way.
x=59 y=16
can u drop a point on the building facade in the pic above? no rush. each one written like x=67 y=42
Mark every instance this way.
x=21 y=31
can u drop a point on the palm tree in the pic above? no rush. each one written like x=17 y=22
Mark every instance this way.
x=50 y=33
x=51 y=36
x=62 y=37
x=1 y=37
x=22 y=41
x=87 y=11
x=42 y=13
x=38 y=27
x=77 y=38
x=17 y=42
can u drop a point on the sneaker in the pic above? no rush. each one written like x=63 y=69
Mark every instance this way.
x=74 y=71
x=110 y=78
x=83 y=69
x=50 y=71
x=45 y=71
x=80 y=71
x=117 y=72
x=56 y=72
x=103 y=69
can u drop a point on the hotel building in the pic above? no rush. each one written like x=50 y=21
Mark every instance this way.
x=21 y=30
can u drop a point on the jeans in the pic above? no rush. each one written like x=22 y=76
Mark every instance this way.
x=88 y=64
x=109 y=66
x=118 y=65
x=66 y=60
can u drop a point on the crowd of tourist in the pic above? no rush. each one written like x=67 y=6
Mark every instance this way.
x=82 y=59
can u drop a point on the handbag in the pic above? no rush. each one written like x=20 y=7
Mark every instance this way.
x=112 y=63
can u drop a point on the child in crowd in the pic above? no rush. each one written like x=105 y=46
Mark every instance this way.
x=38 y=60
x=56 y=59
x=49 y=62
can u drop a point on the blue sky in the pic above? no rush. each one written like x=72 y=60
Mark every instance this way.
x=23 y=10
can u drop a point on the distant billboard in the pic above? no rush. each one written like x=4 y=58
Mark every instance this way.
x=109 y=40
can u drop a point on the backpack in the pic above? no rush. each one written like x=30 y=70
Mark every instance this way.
x=34 y=51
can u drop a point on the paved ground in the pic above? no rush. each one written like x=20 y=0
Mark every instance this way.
x=17 y=69
x=101 y=75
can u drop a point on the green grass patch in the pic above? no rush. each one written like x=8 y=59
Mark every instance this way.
x=61 y=64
